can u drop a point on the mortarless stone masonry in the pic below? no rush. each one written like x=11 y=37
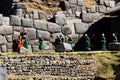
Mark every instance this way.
x=58 y=66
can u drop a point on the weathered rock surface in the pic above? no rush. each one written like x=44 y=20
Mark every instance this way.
x=31 y=33
x=63 y=47
x=54 y=28
x=40 y=25
x=6 y=30
x=27 y=22
x=15 y=20
x=44 y=34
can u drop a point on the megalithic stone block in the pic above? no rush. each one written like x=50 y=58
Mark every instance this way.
x=114 y=46
x=63 y=47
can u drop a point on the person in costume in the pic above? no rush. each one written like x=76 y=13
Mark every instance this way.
x=115 y=39
x=103 y=41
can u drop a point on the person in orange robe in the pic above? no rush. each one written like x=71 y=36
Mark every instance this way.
x=20 y=43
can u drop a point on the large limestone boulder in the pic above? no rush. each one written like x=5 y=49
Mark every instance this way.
x=42 y=15
x=15 y=20
x=40 y=25
x=87 y=17
x=66 y=30
x=44 y=34
x=27 y=22
x=102 y=9
x=9 y=38
x=6 y=21
x=81 y=27
x=31 y=33
x=60 y=18
x=6 y=30
x=114 y=46
x=63 y=47
x=54 y=28
x=3 y=40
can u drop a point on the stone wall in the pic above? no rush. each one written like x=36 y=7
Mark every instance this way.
x=73 y=21
x=57 y=66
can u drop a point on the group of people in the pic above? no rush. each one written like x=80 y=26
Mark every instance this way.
x=20 y=41
x=23 y=41
x=103 y=41
x=60 y=39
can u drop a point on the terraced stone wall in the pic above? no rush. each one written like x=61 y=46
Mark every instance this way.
x=53 y=66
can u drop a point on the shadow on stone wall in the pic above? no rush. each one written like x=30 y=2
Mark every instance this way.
x=106 y=25
x=5 y=7
x=99 y=78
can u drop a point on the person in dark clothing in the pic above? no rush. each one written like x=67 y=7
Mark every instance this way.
x=59 y=40
x=23 y=33
x=41 y=44
x=70 y=41
x=88 y=44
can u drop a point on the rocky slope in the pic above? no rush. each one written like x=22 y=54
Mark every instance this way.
x=50 y=6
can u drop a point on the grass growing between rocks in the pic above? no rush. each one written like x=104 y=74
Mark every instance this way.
x=108 y=62
x=107 y=65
